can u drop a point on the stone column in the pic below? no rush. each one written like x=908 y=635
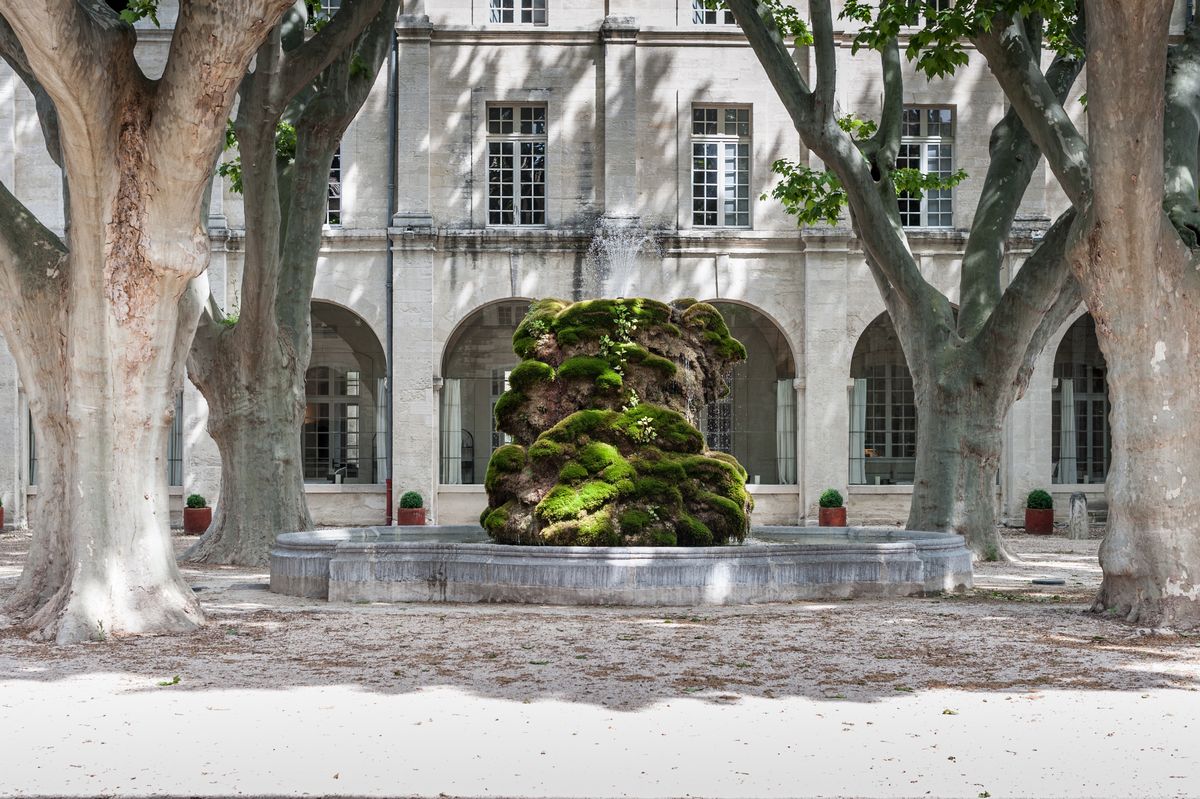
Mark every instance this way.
x=12 y=453
x=414 y=412
x=413 y=206
x=828 y=349
x=619 y=77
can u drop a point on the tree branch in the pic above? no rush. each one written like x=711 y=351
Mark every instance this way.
x=1015 y=63
x=1013 y=160
x=891 y=118
x=871 y=200
x=310 y=59
x=826 y=55
x=14 y=55
x=212 y=44
x=1044 y=283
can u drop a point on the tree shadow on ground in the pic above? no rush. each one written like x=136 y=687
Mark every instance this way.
x=628 y=658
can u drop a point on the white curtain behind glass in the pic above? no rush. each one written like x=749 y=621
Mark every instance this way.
x=785 y=431
x=858 y=432
x=1067 y=463
x=451 y=431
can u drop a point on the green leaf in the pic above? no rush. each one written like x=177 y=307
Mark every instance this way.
x=810 y=195
x=140 y=9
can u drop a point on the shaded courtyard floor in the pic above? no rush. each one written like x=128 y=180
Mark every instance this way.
x=1011 y=690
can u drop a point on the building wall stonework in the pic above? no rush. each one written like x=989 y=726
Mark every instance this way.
x=619 y=81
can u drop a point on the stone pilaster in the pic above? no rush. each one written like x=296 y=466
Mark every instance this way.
x=619 y=35
x=413 y=34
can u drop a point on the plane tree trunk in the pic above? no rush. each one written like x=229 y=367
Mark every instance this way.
x=251 y=369
x=102 y=360
x=1141 y=285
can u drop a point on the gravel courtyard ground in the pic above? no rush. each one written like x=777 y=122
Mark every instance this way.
x=1008 y=691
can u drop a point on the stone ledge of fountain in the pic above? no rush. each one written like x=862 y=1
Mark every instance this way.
x=454 y=564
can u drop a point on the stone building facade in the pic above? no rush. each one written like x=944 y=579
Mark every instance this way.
x=587 y=148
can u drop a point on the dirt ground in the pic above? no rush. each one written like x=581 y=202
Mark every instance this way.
x=1006 y=638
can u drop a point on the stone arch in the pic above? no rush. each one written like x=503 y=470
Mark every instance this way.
x=475 y=363
x=756 y=422
x=345 y=426
x=883 y=414
x=1080 y=439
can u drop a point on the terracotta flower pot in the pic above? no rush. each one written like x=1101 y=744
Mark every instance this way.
x=410 y=516
x=1 y=517
x=1039 y=521
x=833 y=517
x=196 y=520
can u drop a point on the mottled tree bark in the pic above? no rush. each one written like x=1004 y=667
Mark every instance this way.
x=102 y=361
x=251 y=371
x=1141 y=284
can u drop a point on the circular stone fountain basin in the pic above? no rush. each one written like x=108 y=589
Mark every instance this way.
x=776 y=564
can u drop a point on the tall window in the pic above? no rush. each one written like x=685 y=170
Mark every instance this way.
x=475 y=369
x=529 y=12
x=927 y=144
x=883 y=413
x=721 y=166
x=701 y=15
x=934 y=6
x=1080 y=442
x=516 y=165
x=333 y=206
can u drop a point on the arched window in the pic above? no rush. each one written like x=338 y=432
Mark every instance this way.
x=1080 y=441
x=756 y=421
x=475 y=368
x=345 y=424
x=883 y=412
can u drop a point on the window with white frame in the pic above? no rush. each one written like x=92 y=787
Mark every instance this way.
x=331 y=7
x=703 y=15
x=721 y=166
x=927 y=144
x=516 y=146
x=935 y=6
x=528 y=12
x=333 y=205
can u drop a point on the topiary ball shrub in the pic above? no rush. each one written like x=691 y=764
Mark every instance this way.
x=1039 y=500
x=830 y=498
x=197 y=501
x=606 y=451
x=411 y=499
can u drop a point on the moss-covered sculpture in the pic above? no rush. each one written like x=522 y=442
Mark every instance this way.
x=606 y=453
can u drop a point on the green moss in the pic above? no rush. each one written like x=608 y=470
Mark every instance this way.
x=653 y=463
x=721 y=476
x=663 y=538
x=598 y=369
x=564 y=502
x=506 y=460
x=733 y=514
x=634 y=520
x=545 y=448
x=673 y=432
x=597 y=455
x=528 y=373
x=704 y=317
x=579 y=424
x=662 y=365
x=655 y=490
x=692 y=532
x=732 y=461
x=509 y=403
x=494 y=520
x=572 y=472
x=597 y=530
x=618 y=472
